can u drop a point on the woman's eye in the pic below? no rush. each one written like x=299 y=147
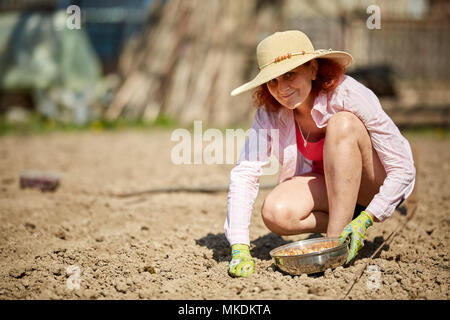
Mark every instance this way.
x=288 y=75
x=273 y=82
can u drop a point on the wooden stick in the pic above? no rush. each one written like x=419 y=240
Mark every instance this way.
x=212 y=189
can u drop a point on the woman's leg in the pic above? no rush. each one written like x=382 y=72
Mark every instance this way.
x=353 y=171
x=298 y=205
x=314 y=203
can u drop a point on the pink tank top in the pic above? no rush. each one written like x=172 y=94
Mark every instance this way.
x=313 y=151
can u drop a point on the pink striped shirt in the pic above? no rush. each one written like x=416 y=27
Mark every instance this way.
x=392 y=148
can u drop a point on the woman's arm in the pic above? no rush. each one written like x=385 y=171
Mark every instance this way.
x=244 y=180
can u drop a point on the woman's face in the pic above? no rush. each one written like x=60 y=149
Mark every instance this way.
x=292 y=89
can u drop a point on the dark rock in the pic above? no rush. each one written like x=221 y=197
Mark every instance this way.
x=40 y=180
x=17 y=273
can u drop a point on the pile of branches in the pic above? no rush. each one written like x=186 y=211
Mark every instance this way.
x=186 y=63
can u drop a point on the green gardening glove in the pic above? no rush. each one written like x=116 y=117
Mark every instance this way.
x=357 y=229
x=241 y=264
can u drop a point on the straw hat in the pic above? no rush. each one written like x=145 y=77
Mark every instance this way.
x=284 y=51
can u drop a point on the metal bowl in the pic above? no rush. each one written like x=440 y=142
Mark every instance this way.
x=311 y=262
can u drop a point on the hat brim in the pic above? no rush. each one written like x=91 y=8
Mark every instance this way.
x=275 y=70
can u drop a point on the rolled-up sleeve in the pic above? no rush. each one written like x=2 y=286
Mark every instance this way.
x=244 y=181
x=392 y=148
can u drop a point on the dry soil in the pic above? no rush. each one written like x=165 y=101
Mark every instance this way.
x=171 y=245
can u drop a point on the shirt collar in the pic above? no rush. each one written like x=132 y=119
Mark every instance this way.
x=320 y=104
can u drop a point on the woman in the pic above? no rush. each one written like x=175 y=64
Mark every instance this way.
x=344 y=162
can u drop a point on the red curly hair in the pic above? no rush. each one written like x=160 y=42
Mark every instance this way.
x=328 y=75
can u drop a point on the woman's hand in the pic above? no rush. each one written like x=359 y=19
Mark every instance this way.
x=241 y=264
x=357 y=230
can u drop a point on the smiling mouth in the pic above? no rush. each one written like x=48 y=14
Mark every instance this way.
x=287 y=95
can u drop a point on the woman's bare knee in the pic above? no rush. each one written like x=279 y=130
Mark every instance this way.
x=344 y=125
x=283 y=219
x=276 y=215
x=292 y=201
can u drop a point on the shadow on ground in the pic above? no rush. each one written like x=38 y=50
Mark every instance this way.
x=218 y=243
x=222 y=250
x=264 y=244
x=371 y=246
x=260 y=247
